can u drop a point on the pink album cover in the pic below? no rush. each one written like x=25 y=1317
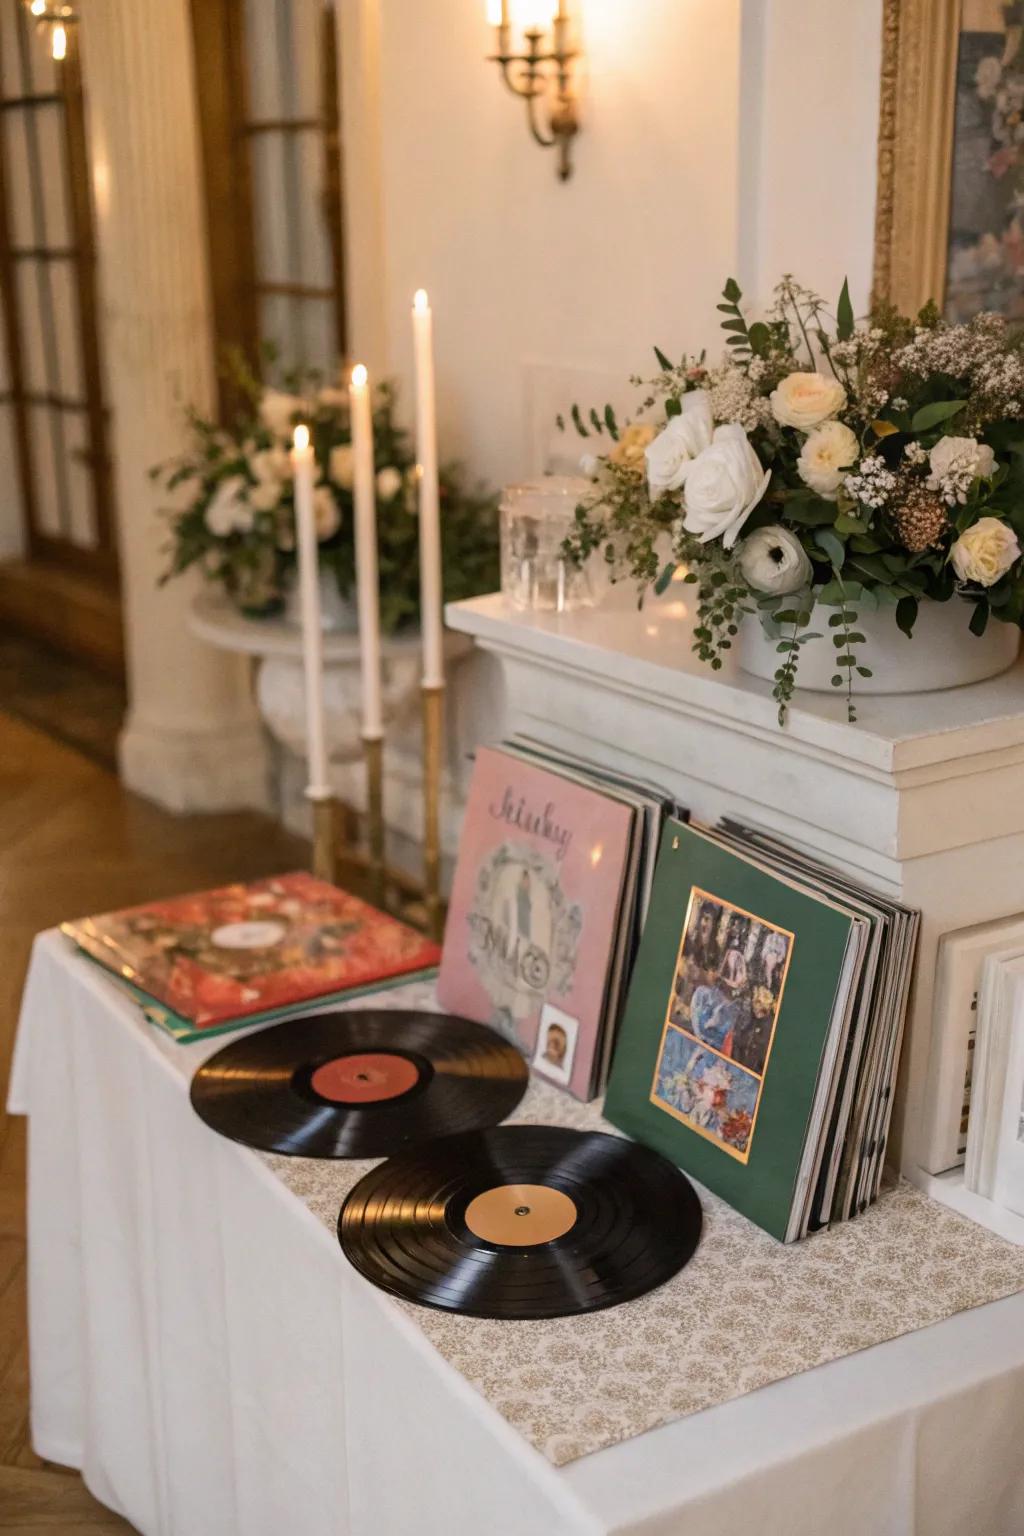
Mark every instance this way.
x=532 y=921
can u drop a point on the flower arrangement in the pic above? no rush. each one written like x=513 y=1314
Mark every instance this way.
x=824 y=469
x=235 y=516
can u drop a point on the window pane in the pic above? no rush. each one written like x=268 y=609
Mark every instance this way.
x=270 y=182
x=45 y=443
x=19 y=181
x=63 y=286
x=11 y=80
x=54 y=182
x=33 y=344
x=319 y=336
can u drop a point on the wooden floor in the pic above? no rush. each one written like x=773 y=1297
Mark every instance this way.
x=73 y=842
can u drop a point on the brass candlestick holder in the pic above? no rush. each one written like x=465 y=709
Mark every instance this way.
x=373 y=753
x=433 y=739
x=325 y=838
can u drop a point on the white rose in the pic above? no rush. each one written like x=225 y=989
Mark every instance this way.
x=270 y=465
x=325 y=513
x=342 y=466
x=985 y=552
x=229 y=510
x=805 y=400
x=389 y=483
x=773 y=560
x=278 y=412
x=988 y=76
x=827 y=454
x=723 y=486
x=265 y=496
x=670 y=455
x=960 y=453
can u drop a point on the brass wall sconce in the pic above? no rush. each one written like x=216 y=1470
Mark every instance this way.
x=542 y=71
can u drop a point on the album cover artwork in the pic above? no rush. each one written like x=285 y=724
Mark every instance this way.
x=535 y=903
x=249 y=949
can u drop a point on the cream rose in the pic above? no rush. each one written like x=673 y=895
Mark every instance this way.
x=265 y=496
x=723 y=486
x=325 y=513
x=278 y=412
x=229 y=511
x=805 y=400
x=960 y=454
x=826 y=455
x=985 y=552
x=342 y=466
x=670 y=455
x=773 y=560
x=270 y=464
x=389 y=482
x=628 y=452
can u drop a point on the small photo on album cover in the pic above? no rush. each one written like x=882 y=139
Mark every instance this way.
x=556 y=1045
x=720 y=1020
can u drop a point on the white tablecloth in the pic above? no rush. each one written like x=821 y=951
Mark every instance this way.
x=201 y=1349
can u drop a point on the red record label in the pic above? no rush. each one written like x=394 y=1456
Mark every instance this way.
x=368 y=1078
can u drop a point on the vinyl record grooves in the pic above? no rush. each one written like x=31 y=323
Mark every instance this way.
x=522 y=1222
x=361 y=1084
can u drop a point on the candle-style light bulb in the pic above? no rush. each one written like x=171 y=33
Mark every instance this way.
x=38 y=7
x=359 y=376
x=497 y=13
x=534 y=15
x=420 y=302
x=301 y=438
x=59 y=46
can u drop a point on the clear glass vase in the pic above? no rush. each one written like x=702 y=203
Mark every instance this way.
x=536 y=519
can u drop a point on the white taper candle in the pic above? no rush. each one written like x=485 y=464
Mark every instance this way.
x=304 y=470
x=367 y=577
x=431 y=595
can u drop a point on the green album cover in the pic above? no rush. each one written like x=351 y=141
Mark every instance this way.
x=729 y=1015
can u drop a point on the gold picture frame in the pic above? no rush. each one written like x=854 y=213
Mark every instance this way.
x=920 y=43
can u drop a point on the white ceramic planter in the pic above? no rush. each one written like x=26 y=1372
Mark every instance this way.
x=942 y=653
x=338 y=614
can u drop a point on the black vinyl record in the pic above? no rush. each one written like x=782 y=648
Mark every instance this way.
x=522 y=1221
x=359 y=1084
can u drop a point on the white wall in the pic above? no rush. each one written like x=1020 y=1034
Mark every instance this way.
x=721 y=137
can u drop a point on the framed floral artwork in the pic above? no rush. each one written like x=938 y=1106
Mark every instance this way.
x=950 y=216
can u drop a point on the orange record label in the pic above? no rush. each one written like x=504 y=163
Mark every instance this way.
x=520 y=1215
x=368 y=1078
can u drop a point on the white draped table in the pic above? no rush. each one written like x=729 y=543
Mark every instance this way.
x=203 y=1352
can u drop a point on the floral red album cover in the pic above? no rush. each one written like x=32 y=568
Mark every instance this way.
x=247 y=949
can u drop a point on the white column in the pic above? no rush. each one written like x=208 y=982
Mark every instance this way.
x=192 y=740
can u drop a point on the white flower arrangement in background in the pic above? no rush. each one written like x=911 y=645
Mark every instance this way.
x=233 y=497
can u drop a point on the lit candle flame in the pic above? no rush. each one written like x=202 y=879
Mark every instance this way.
x=301 y=438
x=38 y=7
x=420 y=302
x=596 y=855
x=359 y=376
x=60 y=43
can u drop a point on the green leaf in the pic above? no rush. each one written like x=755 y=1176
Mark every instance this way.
x=759 y=337
x=611 y=423
x=833 y=546
x=865 y=672
x=846 y=523
x=844 y=313
x=663 y=361
x=979 y=618
x=931 y=415
x=735 y=325
x=595 y=421
x=732 y=291
x=837 y=681
x=664 y=580
x=906 y=615
x=577 y=421
x=673 y=407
